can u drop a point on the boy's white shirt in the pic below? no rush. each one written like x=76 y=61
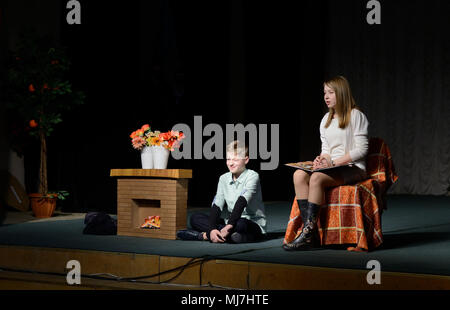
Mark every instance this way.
x=246 y=185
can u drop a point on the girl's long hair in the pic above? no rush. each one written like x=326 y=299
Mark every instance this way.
x=345 y=102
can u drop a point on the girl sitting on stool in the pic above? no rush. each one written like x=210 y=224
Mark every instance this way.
x=344 y=136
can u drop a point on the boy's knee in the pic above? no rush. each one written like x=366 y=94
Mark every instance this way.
x=194 y=219
x=241 y=226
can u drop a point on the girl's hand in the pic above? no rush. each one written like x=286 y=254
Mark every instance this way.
x=324 y=163
x=328 y=158
x=321 y=162
x=316 y=162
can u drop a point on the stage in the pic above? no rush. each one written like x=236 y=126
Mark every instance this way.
x=415 y=254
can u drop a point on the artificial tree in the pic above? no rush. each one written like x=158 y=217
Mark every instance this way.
x=39 y=91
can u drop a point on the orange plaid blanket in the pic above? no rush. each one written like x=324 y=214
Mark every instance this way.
x=352 y=213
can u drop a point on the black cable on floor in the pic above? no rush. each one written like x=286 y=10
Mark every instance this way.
x=201 y=260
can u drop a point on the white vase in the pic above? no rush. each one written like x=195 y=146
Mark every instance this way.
x=160 y=157
x=147 y=157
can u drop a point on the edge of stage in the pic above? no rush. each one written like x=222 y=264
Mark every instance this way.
x=414 y=256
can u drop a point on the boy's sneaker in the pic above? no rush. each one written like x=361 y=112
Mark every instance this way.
x=187 y=234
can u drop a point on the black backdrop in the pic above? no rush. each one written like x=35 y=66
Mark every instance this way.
x=162 y=62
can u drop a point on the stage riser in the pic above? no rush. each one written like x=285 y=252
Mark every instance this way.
x=232 y=274
x=55 y=260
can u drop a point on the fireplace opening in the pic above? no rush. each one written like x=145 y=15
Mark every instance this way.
x=146 y=213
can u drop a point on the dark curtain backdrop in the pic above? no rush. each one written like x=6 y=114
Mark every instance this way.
x=162 y=62
x=400 y=74
x=167 y=61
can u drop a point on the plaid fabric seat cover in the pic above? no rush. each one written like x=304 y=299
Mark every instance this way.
x=352 y=213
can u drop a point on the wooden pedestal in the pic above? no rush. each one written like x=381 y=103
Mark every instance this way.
x=145 y=192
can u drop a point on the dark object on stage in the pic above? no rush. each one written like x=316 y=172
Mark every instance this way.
x=99 y=223
x=14 y=194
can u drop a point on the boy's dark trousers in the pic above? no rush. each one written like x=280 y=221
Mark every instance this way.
x=200 y=223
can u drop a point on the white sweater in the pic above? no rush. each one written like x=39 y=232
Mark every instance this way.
x=353 y=139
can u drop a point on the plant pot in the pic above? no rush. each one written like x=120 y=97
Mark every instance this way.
x=147 y=157
x=43 y=206
x=160 y=157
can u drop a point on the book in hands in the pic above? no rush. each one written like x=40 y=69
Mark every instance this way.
x=308 y=166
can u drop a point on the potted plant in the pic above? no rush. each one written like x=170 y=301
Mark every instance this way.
x=155 y=146
x=38 y=93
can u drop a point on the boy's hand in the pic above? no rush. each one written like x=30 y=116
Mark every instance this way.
x=226 y=230
x=216 y=236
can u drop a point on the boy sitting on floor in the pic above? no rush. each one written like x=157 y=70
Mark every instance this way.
x=240 y=190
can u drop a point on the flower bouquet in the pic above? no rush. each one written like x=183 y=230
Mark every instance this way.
x=155 y=146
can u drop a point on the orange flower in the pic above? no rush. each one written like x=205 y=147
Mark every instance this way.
x=54 y=62
x=145 y=127
x=138 y=143
x=140 y=132
x=165 y=136
x=177 y=135
x=31 y=88
x=33 y=123
x=155 y=141
x=133 y=135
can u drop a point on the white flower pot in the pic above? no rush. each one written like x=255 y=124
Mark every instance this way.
x=160 y=157
x=147 y=157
